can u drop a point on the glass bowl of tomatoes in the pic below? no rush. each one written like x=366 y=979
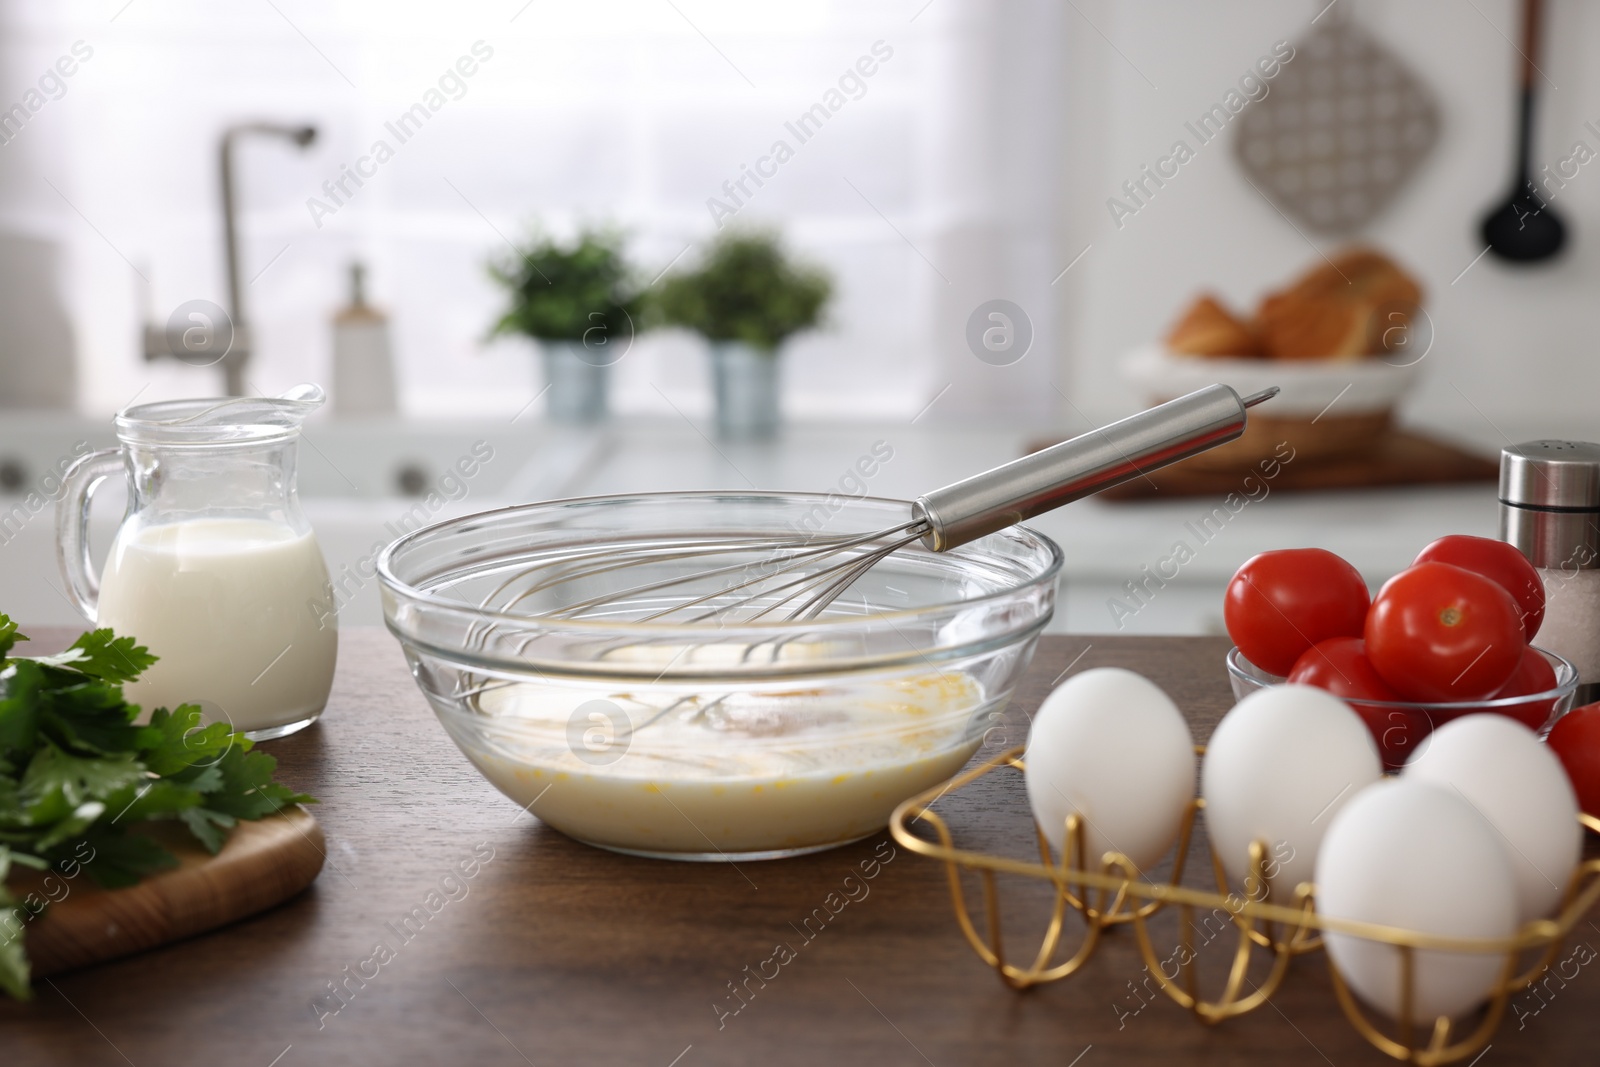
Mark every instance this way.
x=1450 y=635
x=1398 y=727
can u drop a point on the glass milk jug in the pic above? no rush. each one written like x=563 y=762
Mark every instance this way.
x=214 y=567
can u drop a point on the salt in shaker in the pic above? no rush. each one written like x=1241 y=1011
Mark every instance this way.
x=1550 y=509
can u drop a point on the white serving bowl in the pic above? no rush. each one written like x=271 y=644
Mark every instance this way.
x=1307 y=386
x=1327 y=409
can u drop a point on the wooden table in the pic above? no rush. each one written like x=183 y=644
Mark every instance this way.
x=553 y=952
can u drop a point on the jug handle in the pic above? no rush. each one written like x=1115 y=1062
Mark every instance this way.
x=72 y=528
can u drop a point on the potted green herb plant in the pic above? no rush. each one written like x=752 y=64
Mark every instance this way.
x=746 y=299
x=577 y=302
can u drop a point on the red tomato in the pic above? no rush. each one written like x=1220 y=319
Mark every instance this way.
x=1576 y=740
x=1437 y=632
x=1281 y=603
x=1340 y=666
x=1533 y=675
x=1503 y=564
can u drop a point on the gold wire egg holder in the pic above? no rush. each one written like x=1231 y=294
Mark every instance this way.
x=1117 y=896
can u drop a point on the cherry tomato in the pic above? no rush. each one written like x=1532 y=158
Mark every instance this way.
x=1340 y=666
x=1575 y=738
x=1281 y=603
x=1437 y=632
x=1499 y=562
x=1533 y=675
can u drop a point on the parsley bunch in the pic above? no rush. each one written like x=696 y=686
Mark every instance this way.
x=76 y=772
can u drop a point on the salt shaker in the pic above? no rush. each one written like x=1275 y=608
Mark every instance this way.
x=1550 y=509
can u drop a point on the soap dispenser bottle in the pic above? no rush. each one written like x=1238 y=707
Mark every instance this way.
x=363 y=372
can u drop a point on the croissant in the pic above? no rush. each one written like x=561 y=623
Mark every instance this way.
x=1210 y=329
x=1333 y=311
x=1295 y=326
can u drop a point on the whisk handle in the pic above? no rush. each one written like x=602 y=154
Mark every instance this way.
x=1082 y=466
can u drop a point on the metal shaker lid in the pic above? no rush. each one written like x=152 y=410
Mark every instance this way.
x=1551 y=474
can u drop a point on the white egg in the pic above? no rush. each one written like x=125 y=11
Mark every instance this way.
x=1503 y=770
x=1277 y=769
x=1407 y=853
x=1109 y=745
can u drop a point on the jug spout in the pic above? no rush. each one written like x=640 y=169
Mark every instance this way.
x=220 y=420
x=305 y=393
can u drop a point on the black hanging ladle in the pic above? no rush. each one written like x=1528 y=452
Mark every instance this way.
x=1524 y=229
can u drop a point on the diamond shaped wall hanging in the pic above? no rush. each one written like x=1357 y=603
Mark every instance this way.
x=1344 y=126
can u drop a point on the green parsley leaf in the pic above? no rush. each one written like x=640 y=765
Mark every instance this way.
x=209 y=827
x=19 y=708
x=101 y=655
x=174 y=741
x=151 y=799
x=89 y=717
x=53 y=776
x=202 y=779
x=70 y=827
x=123 y=859
x=9 y=635
x=247 y=790
x=13 y=960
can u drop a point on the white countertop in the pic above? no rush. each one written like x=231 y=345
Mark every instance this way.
x=1378 y=530
x=1106 y=544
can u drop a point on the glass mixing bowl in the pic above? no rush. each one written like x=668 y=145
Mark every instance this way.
x=726 y=738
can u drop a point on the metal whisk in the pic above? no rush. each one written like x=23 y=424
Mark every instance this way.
x=796 y=577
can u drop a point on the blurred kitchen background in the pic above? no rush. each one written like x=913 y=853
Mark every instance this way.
x=974 y=164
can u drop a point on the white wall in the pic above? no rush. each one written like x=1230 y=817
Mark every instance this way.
x=1517 y=343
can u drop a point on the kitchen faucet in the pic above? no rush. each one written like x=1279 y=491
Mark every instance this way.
x=203 y=346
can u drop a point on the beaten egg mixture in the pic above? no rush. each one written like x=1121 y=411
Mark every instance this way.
x=751 y=772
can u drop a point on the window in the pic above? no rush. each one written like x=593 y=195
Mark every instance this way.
x=926 y=186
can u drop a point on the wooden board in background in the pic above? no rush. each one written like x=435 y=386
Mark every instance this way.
x=263 y=863
x=1400 y=458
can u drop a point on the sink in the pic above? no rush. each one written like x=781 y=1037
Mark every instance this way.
x=399 y=459
x=367 y=460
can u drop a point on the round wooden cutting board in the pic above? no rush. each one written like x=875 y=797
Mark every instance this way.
x=262 y=864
